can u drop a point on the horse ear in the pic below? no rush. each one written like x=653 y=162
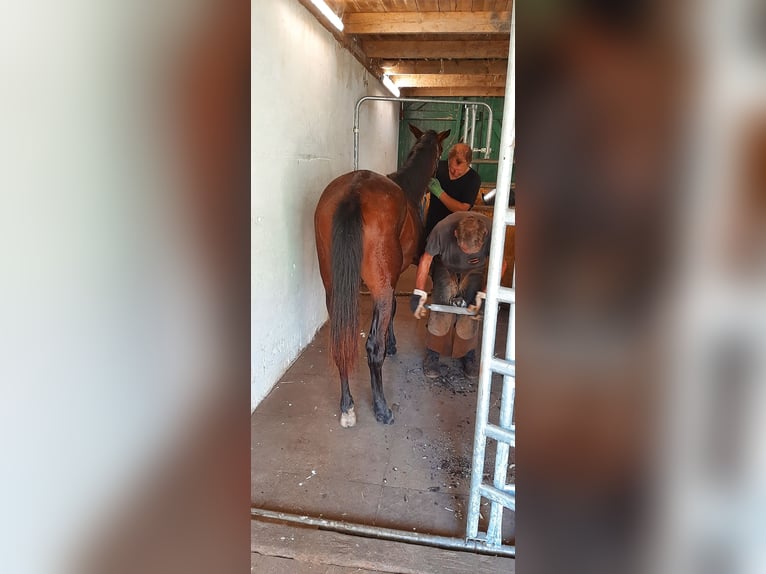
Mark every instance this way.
x=443 y=135
x=415 y=131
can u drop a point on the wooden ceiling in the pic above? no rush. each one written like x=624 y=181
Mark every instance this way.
x=428 y=47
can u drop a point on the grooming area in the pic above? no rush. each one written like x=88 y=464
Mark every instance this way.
x=375 y=497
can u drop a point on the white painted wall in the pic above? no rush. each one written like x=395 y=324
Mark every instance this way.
x=304 y=89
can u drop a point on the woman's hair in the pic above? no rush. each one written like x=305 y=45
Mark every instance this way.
x=471 y=232
x=461 y=149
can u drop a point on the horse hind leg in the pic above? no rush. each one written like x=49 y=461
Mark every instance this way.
x=390 y=337
x=376 y=354
x=347 y=414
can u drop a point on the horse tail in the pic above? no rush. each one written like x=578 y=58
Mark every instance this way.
x=346 y=272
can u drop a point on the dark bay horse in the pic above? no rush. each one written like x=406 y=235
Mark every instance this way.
x=368 y=227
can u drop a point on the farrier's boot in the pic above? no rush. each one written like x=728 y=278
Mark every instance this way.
x=470 y=365
x=431 y=364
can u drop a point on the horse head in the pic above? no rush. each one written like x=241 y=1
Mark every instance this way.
x=439 y=148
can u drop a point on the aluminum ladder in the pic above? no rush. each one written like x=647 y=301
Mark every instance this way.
x=499 y=493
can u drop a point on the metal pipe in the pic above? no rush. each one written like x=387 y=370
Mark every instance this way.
x=505 y=165
x=422 y=100
x=473 y=125
x=487 y=197
x=465 y=123
x=388 y=533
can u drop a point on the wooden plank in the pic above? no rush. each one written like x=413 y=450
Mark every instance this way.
x=480 y=5
x=448 y=80
x=356 y=6
x=400 y=5
x=399 y=67
x=427 y=23
x=472 y=91
x=412 y=49
x=428 y=5
x=332 y=548
x=455 y=5
x=260 y=564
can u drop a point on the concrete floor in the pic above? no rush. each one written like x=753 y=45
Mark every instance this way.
x=411 y=475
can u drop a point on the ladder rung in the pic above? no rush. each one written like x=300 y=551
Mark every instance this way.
x=510 y=217
x=501 y=434
x=496 y=495
x=503 y=367
x=506 y=295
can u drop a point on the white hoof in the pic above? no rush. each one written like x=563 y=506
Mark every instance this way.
x=348 y=419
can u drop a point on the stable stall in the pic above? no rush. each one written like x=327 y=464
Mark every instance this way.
x=442 y=474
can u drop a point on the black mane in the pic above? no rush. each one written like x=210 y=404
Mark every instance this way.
x=414 y=175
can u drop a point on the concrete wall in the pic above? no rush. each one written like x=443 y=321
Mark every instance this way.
x=304 y=89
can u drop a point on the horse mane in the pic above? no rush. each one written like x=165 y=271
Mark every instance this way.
x=416 y=172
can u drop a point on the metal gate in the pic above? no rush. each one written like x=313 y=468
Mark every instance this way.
x=470 y=121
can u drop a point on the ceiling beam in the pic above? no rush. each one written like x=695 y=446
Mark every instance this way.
x=413 y=49
x=444 y=66
x=427 y=22
x=468 y=91
x=447 y=80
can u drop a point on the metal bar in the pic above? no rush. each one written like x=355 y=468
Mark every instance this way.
x=473 y=125
x=387 y=533
x=454 y=309
x=505 y=167
x=507 y=499
x=506 y=295
x=465 y=123
x=510 y=344
x=503 y=435
x=502 y=366
x=423 y=100
x=510 y=214
x=443 y=119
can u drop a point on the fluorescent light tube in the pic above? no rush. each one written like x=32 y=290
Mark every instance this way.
x=329 y=14
x=390 y=85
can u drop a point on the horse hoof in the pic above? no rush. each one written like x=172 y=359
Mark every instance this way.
x=391 y=351
x=386 y=418
x=348 y=419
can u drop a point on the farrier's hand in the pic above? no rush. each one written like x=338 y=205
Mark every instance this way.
x=417 y=302
x=435 y=187
x=478 y=305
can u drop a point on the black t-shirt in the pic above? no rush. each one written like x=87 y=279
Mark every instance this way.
x=463 y=189
x=443 y=243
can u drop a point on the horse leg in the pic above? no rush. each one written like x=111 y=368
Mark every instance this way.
x=347 y=414
x=390 y=337
x=376 y=354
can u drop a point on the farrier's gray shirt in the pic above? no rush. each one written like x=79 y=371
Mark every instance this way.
x=442 y=242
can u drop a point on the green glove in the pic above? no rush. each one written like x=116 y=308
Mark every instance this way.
x=435 y=187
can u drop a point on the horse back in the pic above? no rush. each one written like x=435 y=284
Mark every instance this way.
x=388 y=218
